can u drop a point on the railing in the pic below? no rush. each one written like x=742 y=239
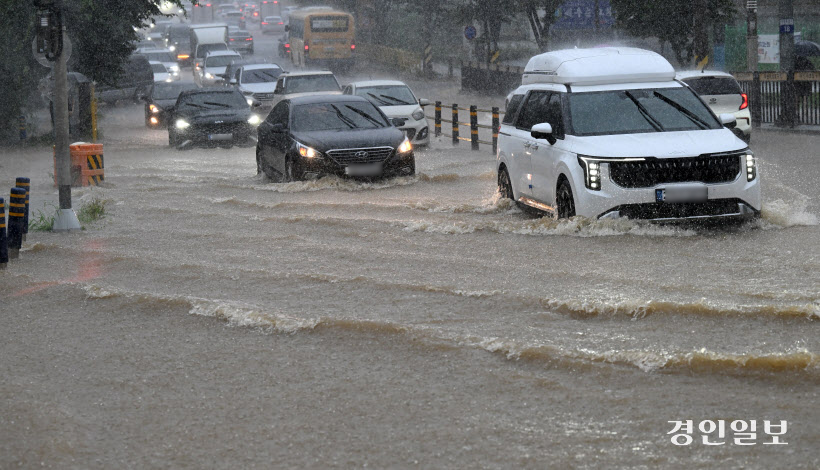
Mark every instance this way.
x=782 y=98
x=495 y=79
x=456 y=124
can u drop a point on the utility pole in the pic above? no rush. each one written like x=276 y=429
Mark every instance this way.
x=751 y=35
x=66 y=218
x=785 y=12
x=701 y=39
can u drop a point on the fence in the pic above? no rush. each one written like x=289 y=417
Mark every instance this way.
x=456 y=124
x=782 y=98
x=495 y=79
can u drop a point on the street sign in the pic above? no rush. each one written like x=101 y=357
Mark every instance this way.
x=470 y=32
x=41 y=57
x=787 y=26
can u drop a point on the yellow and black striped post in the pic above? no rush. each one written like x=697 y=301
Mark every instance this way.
x=455 y=124
x=24 y=183
x=96 y=162
x=428 y=59
x=17 y=207
x=4 y=242
x=438 y=118
x=473 y=127
x=496 y=126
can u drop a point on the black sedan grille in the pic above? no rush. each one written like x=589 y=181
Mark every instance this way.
x=648 y=173
x=221 y=128
x=361 y=156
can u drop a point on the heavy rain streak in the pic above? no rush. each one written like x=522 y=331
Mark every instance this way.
x=395 y=234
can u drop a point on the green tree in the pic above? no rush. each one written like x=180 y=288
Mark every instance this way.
x=682 y=24
x=101 y=31
x=540 y=23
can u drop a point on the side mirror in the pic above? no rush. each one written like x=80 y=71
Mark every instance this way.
x=728 y=120
x=424 y=102
x=543 y=131
x=232 y=81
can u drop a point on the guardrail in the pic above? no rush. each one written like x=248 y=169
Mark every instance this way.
x=782 y=98
x=456 y=124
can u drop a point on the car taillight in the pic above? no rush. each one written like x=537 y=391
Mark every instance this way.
x=287 y=46
x=249 y=39
x=231 y=39
x=255 y=14
x=264 y=22
x=352 y=47
x=281 y=22
x=745 y=103
x=182 y=56
x=307 y=48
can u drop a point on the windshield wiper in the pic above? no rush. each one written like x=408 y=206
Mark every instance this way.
x=366 y=116
x=692 y=116
x=217 y=104
x=645 y=113
x=395 y=99
x=193 y=104
x=344 y=118
x=384 y=102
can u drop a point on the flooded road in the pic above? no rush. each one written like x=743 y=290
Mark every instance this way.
x=407 y=322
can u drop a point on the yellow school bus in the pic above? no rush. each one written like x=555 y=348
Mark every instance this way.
x=322 y=37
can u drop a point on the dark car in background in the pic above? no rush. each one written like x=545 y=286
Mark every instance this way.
x=132 y=84
x=312 y=136
x=161 y=98
x=240 y=41
x=178 y=41
x=211 y=117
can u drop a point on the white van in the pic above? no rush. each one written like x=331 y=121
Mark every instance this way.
x=609 y=132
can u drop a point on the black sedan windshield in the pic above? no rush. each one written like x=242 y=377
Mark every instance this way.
x=170 y=91
x=214 y=100
x=311 y=83
x=337 y=116
x=636 y=111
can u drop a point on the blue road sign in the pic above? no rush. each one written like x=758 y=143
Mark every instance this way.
x=470 y=32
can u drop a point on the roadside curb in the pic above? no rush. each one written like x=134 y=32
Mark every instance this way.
x=809 y=130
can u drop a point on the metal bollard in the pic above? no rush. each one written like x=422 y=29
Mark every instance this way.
x=4 y=242
x=21 y=123
x=496 y=126
x=473 y=127
x=17 y=207
x=24 y=183
x=455 y=124
x=438 y=118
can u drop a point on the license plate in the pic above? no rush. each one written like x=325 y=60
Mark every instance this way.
x=372 y=169
x=682 y=194
x=220 y=136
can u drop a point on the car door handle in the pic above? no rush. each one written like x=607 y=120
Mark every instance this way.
x=527 y=145
x=534 y=146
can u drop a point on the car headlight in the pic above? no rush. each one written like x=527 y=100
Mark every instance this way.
x=250 y=101
x=306 y=151
x=751 y=166
x=592 y=172
x=174 y=68
x=254 y=120
x=209 y=76
x=418 y=115
x=153 y=108
x=405 y=146
x=172 y=48
x=182 y=124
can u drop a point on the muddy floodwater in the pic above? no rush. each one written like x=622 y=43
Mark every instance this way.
x=214 y=318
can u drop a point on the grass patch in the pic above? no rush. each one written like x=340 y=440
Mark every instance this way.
x=91 y=211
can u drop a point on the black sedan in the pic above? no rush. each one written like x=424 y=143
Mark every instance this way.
x=312 y=136
x=162 y=97
x=211 y=117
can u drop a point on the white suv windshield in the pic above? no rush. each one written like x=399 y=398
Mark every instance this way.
x=636 y=111
x=311 y=83
x=387 y=95
x=220 y=60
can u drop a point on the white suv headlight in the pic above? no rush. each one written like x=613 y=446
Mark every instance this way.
x=751 y=166
x=418 y=115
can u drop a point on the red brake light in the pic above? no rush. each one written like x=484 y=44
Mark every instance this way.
x=249 y=39
x=231 y=39
x=264 y=22
x=281 y=22
x=745 y=103
x=307 y=48
x=287 y=46
x=352 y=47
x=256 y=13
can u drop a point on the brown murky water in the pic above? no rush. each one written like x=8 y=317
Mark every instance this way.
x=408 y=322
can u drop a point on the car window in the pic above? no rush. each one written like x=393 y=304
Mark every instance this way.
x=311 y=83
x=348 y=90
x=280 y=86
x=279 y=114
x=714 y=85
x=337 y=116
x=219 y=61
x=534 y=110
x=512 y=108
x=158 y=68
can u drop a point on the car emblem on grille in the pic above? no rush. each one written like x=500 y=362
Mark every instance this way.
x=218 y=122
x=361 y=154
x=712 y=100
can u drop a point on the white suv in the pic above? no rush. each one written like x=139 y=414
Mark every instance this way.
x=609 y=132
x=721 y=92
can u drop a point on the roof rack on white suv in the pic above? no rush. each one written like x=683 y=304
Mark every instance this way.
x=598 y=66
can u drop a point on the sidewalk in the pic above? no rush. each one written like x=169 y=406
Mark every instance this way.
x=799 y=129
